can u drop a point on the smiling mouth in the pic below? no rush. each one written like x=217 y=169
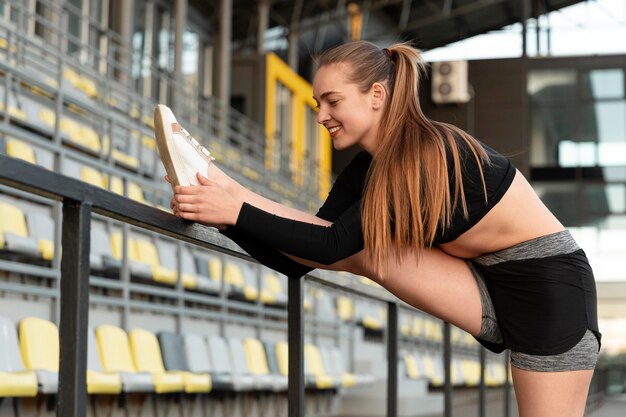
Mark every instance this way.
x=333 y=130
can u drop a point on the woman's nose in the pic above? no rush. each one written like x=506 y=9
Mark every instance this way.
x=322 y=116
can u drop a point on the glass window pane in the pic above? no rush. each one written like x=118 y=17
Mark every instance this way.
x=604 y=83
x=549 y=126
x=605 y=199
x=552 y=85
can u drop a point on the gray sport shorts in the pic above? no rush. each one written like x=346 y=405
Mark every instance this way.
x=545 y=342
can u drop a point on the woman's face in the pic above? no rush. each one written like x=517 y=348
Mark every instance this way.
x=350 y=115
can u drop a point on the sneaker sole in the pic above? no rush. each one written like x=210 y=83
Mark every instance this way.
x=164 y=142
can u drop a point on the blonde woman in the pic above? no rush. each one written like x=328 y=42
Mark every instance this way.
x=439 y=219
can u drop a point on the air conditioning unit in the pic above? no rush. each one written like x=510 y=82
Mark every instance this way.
x=449 y=82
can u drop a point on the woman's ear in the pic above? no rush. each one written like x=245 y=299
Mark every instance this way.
x=378 y=95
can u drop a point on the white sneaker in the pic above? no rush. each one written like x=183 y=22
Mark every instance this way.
x=181 y=154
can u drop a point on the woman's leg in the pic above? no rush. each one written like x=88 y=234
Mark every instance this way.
x=549 y=394
x=434 y=282
x=445 y=287
x=555 y=385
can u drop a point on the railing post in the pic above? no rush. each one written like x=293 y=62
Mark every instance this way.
x=72 y=399
x=482 y=391
x=295 y=329
x=507 y=385
x=447 y=364
x=392 y=359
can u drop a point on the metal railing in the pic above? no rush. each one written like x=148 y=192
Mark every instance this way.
x=80 y=200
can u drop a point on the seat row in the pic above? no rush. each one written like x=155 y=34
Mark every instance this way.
x=465 y=371
x=142 y=361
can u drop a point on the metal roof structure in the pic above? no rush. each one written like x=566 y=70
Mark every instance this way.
x=427 y=23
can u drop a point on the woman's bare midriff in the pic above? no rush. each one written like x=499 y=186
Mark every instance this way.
x=519 y=216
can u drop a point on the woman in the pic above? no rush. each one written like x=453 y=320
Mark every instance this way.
x=439 y=219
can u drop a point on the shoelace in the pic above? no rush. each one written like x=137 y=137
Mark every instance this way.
x=196 y=144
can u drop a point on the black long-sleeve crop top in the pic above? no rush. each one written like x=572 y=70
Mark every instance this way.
x=329 y=244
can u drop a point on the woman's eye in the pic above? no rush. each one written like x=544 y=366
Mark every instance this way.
x=332 y=103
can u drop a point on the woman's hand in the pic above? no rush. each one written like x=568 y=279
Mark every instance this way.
x=211 y=203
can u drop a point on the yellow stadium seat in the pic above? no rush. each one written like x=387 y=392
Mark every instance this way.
x=116 y=357
x=233 y=274
x=412 y=371
x=144 y=251
x=147 y=358
x=315 y=368
x=215 y=269
x=99 y=382
x=47 y=116
x=14 y=234
x=21 y=150
x=345 y=308
x=471 y=372
x=135 y=193
x=282 y=356
x=39 y=344
x=14 y=112
x=93 y=176
x=116 y=185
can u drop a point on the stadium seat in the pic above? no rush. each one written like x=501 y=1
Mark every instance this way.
x=21 y=150
x=345 y=308
x=167 y=258
x=98 y=381
x=337 y=364
x=93 y=176
x=273 y=291
x=14 y=237
x=324 y=308
x=410 y=367
x=15 y=380
x=239 y=287
x=146 y=352
x=202 y=282
x=39 y=344
x=41 y=228
x=101 y=257
x=144 y=251
x=210 y=267
x=417 y=326
x=115 y=356
x=116 y=185
x=471 y=372
x=315 y=371
x=224 y=364
x=241 y=366
x=175 y=360
x=258 y=364
x=198 y=360
x=369 y=315
x=137 y=269
x=14 y=109
x=282 y=357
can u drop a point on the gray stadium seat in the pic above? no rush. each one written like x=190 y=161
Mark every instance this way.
x=41 y=228
x=101 y=257
x=203 y=282
x=16 y=381
x=223 y=364
x=175 y=359
x=198 y=360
